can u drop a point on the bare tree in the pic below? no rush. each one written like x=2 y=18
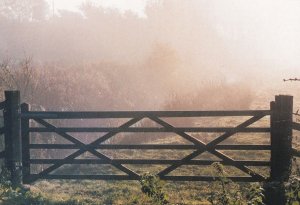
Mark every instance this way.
x=24 y=10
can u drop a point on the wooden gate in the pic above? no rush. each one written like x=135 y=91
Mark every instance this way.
x=280 y=129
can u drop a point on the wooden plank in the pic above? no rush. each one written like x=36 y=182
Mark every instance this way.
x=137 y=114
x=209 y=178
x=296 y=126
x=148 y=161
x=34 y=177
x=25 y=144
x=149 y=129
x=124 y=177
x=243 y=147
x=295 y=152
x=149 y=146
x=2 y=105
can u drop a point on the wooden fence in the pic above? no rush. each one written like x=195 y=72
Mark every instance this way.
x=18 y=129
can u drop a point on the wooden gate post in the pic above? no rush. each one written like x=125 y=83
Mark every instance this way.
x=12 y=124
x=281 y=137
x=281 y=148
x=25 y=144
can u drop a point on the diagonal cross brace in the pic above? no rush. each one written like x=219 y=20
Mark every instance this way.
x=85 y=148
x=210 y=147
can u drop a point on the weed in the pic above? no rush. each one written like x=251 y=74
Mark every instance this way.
x=152 y=187
x=226 y=192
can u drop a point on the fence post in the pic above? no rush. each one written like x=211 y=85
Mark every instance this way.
x=25 y=144
x=12 y=124
x=281 y=148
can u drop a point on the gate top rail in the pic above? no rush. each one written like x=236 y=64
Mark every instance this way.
x=135 y=114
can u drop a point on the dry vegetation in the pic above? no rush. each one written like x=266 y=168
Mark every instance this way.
x=51 y=88
x=107 y=86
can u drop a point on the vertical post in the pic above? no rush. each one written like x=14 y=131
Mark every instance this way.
x=281 y=148
x=281 y=137
x=12 y=124
x=25 y=145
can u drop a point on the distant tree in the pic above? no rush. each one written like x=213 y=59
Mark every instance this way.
x=291 y=79
x=24 y=10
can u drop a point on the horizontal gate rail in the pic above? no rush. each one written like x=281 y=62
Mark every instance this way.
x=149 y=129
x=150 y=146
x=137 y=114
x=124 y=177
x=149 y=161
x=295 y=152
x=86 y=176
x=210 y=178
x=296 y=126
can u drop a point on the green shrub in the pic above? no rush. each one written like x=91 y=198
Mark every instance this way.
x=292 y=187
x=226 y=192
x=152 y=187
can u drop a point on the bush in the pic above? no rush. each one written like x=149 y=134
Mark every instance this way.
x=226 y=192
x=152 y=187
x=292 y=187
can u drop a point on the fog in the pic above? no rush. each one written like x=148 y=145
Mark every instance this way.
x=177 y=55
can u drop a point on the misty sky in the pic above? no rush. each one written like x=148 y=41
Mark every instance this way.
x=230 y=38
x=265 y=30
x=268 y=28
x=160 y=46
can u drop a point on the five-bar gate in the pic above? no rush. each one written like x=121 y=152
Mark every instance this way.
x=21 y=123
